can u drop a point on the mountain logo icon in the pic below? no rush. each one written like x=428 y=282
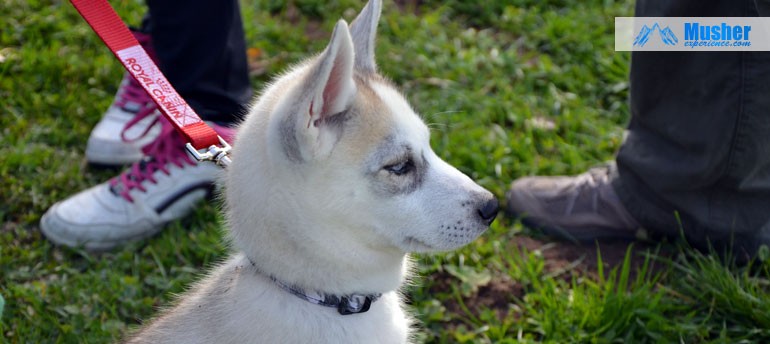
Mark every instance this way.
x=666 y=35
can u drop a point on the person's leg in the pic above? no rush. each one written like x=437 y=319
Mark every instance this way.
x=201 y=49
x=698 y=146
x=204 y=58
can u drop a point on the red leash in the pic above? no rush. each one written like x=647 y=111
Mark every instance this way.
x=203 y=140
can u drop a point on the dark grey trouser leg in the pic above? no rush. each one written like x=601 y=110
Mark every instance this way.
x=699 y=139
x=201 y=49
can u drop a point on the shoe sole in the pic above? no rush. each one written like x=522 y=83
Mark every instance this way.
x=588 y=235
x=91 y=246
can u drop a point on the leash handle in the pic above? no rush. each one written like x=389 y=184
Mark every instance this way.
x=204 y=143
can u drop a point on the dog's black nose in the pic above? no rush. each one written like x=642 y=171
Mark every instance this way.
x=488 y=211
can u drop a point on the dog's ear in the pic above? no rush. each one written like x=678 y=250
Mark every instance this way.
x=364 y=29
x=329 y=91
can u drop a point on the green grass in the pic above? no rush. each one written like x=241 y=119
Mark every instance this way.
x=510 y=89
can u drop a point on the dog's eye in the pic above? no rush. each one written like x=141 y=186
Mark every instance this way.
x=400 y=168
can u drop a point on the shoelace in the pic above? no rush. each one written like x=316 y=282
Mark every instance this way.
x=148 y=110
x=132 y=92
x=166 y=150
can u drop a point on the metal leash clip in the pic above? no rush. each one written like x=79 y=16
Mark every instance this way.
x=218 y=155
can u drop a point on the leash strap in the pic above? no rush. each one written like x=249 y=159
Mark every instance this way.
x=204 y=143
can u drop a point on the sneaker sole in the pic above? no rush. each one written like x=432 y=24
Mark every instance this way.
x=92 y=246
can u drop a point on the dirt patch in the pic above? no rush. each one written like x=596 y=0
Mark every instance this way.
x=496 y=295
x=563 y=260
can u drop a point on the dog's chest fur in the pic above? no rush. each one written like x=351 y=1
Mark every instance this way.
x=237 y=304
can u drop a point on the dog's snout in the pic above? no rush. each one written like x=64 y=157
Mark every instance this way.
x=488 y=211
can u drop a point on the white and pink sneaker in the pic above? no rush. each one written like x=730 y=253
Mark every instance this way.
x=162 y=187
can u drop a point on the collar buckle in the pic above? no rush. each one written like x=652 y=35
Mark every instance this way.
x=354 y=304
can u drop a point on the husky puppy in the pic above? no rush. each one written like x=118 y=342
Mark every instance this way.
x=333 y=182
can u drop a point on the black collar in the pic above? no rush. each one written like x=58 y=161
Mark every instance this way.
x=345 y=304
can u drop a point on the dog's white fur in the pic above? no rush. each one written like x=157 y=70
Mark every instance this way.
x=332 y=183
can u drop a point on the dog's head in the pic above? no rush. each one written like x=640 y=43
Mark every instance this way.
x=334 y=158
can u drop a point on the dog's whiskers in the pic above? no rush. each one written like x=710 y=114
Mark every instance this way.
x=443 y=113
x=432 y=124
x=438 y=126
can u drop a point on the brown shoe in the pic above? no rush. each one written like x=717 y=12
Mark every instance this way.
x=580 y=208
